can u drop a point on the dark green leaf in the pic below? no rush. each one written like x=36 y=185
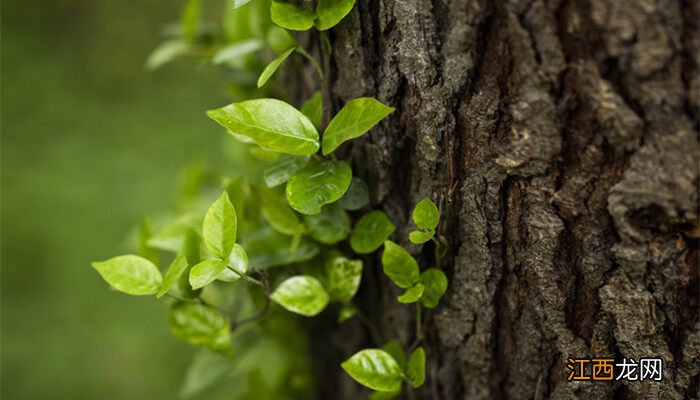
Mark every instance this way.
x=291 y=16
x=400 y=266
x=420 y=237
x=302 y=295
x=200 y=325
x=206 y=272
x=330 y=12
x=357 y=195
x=175 y=270
x=282 y=168
x=353 y=120
x=313 y=109
x=273 y=124
x=426 y=215
x=370 y=232
x=412 y=295
x=375 y=369
x=343 y=278
x=330 y=226
x=219 y=227
x=268 y=248
x=321 y=182
x=435 y=283
x=416 y=368
x=394 y=348
x=130 y=274
x=272 y=67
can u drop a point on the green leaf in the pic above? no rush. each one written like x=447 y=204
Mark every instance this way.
x=301 y=294
x=206 y=272
x=357 y=195
x=268 y=248
x=370 y=232
x=347 y=311
x=191 y=245
x=330 y=226
x=353 y=120
x=344 y=277
x=239 y=3
x=435 y=283
x=175 y=270
x=400 y=266
x=291 y=16
x=206 y=369
x=282 y=168
x=237 y=265
x=416 y=368
x=272 y=124
x=191 y=14
x=375 y=369
x=200 y=325
x=272 y=67
x=165 y=53
x=394 y=348
x=412 y=295
x=384 y=395
x=420 y=237
x=130 y=274
x=279 y=39
x=219 y=227
x=313 y=109
x=282 y=218
x=233 y=53
x=426 y=215
x=330 y=12
x=321 y=182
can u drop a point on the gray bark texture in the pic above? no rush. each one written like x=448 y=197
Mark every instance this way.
x=559 y=139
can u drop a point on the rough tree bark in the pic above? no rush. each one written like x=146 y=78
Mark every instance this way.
x=560 y=141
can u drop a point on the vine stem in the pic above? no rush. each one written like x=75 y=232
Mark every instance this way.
x=376 y=338
x=260 y=314
x=419 y=327
x=312 y=61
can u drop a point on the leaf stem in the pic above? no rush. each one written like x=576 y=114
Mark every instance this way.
x=312 y=60
x=247 y=277
x=260 y=314
x=376 y=337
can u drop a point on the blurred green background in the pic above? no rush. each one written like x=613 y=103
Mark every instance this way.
x=91 y=143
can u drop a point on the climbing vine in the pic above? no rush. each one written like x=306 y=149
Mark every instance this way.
x=275 y=236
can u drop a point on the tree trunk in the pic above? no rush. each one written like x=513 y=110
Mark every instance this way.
x=560 y=142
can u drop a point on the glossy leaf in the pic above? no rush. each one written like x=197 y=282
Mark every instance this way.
x=175 y=270
x=416 y=368
x=272 y=124
x=321 y=182
x=282 y=218
x=355 y=119
x=130 y=274
x=375 y=369
x=282 y=168
x=330 y=226
x=271 y=68
x=301 y=294
x=200 y=325
x=426 y=215
x=343 y=276
x=330 y=12
x=238 y=260
x=413 y=294
x=435 y=283
x=313 y=109
x=219 y=227
x=394 y=348
x=400 y=266
x=370 y=232
x=291 y=16
x=206 y=272
x=357 y=195
x=233 y=53
x=420 y=237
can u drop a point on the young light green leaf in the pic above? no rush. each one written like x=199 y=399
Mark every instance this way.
x=272 y=67
x=200 y=325
x=343 y=278
x=416 y=368
x=313 y=109
x=330 y=226
x=375 y=369
x=420 y=237
x=282 y=168
x=400 y=266
x=239 y=3
x=191 y=245
x=357 y=117
x=435 y=283
x=273 y=124
x=219 y=227
x=175 y=270
x=384 y=395
x=233 y=53
x=394 y=348
x=357 y=195
x=206 y=272
x=238 y=260
x=130 y=274
x=165 y=53
x=321 y=182
x=330 y=12
x=346 y=312
x=426 y=215
x=301 y=294
x=291 y=16
x=191 y=14
x=279 y=39
x=370 y=232
x=282 y=218
x=412 y=295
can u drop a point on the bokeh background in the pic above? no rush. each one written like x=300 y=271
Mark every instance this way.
x=91 y=143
